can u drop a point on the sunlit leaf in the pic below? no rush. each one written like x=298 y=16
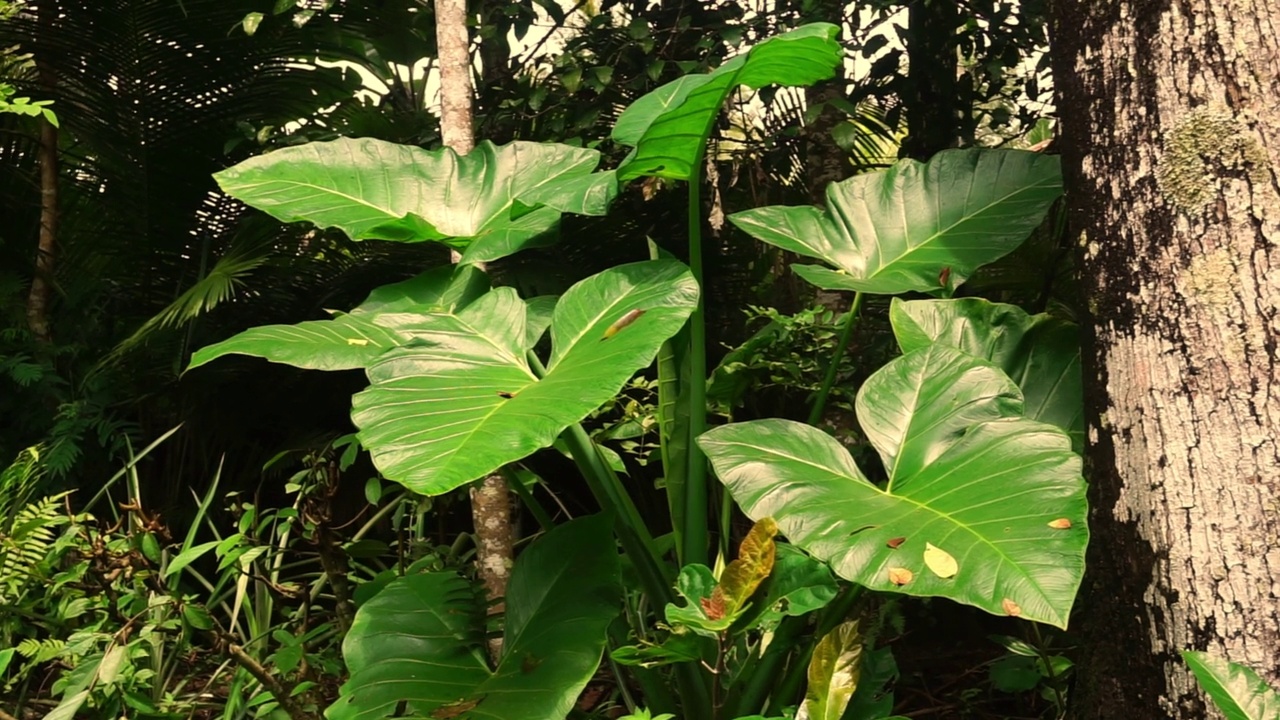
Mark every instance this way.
x=754 y=563
x=669 y=127
x=1238 y=691
x=833 y=673
x=966 y=472
x=919 y=227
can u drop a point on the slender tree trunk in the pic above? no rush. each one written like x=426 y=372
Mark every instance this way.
x=1171 y=143
x=41 y=292
x=933 y=120
x=490 y=501
x=42 y=279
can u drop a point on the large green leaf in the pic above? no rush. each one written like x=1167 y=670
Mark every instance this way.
x=1039 y=352
x=915 y=226
x=669 y=127
x=1237 y=690
x=354 y=340
x=489 y=203
x=462 y=400
x=998 y=494
x=421 y=639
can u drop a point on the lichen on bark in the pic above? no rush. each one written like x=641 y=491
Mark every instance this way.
x=1202 y=146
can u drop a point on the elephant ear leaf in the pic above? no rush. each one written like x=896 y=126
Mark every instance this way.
x=669 y=127
x=354 y=340
x=968 y=476
x=488 y=203
x=462 y=400
x=420 y=641
x=1039 y=352
x=915 y=227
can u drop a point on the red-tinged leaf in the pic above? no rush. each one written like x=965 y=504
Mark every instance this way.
x=713 y=607
x=755 y=561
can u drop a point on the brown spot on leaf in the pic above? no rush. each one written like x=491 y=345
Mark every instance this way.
x=900 y=576
x=895 y=542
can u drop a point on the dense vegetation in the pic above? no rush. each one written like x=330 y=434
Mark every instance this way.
x=766 y=315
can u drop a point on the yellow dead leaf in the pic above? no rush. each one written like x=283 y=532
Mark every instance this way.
x=1011 y=607
x=900 y=576
x=1060 y=524
x=939 y=561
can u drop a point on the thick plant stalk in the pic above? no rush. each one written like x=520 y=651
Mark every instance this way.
x=490 y=503
x=829 y=381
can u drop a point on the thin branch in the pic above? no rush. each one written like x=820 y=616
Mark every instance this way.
x=283 y=693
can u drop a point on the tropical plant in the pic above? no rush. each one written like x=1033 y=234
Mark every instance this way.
x=974 y=498
x=1236 y=690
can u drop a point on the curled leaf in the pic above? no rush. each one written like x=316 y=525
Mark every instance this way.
x=1060 y=524
x=900 y=576
x=1011 y=608
x=940 y=561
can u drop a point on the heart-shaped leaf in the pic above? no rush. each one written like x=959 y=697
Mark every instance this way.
x=967 y=474
x=354 y=340
x=1039 y=352
x=669 y=127
x=488 y=203
x=915 y=226
x=421 y=639
x=462 y=400
x=1237 y=690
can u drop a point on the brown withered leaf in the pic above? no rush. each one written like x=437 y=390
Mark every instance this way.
x=900 y=576
x=895 y=543
x=454 y=709
x=1060 y=524
x=1011 y=608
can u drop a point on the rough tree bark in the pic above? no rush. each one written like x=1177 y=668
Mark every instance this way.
x=490 y=500
x=1171 y=134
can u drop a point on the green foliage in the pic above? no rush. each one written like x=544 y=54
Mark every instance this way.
x=487 y=204
x=935 y=416
x=921 y=227
x=564 y=591
x=1236 y=690
x=25 y=105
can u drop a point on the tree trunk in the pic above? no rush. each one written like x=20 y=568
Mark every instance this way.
x=41 y=291
x=490 y=501
x=933 y=120
x=1171 y=139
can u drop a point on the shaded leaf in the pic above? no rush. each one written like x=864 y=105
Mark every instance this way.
x=421 y=639
x=1038 y=352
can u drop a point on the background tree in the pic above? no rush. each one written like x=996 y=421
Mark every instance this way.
x=1170 y=137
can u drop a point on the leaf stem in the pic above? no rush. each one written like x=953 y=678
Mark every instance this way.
x=695 y=508
x=828 y=382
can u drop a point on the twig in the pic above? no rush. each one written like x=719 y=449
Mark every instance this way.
x=283 y=693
